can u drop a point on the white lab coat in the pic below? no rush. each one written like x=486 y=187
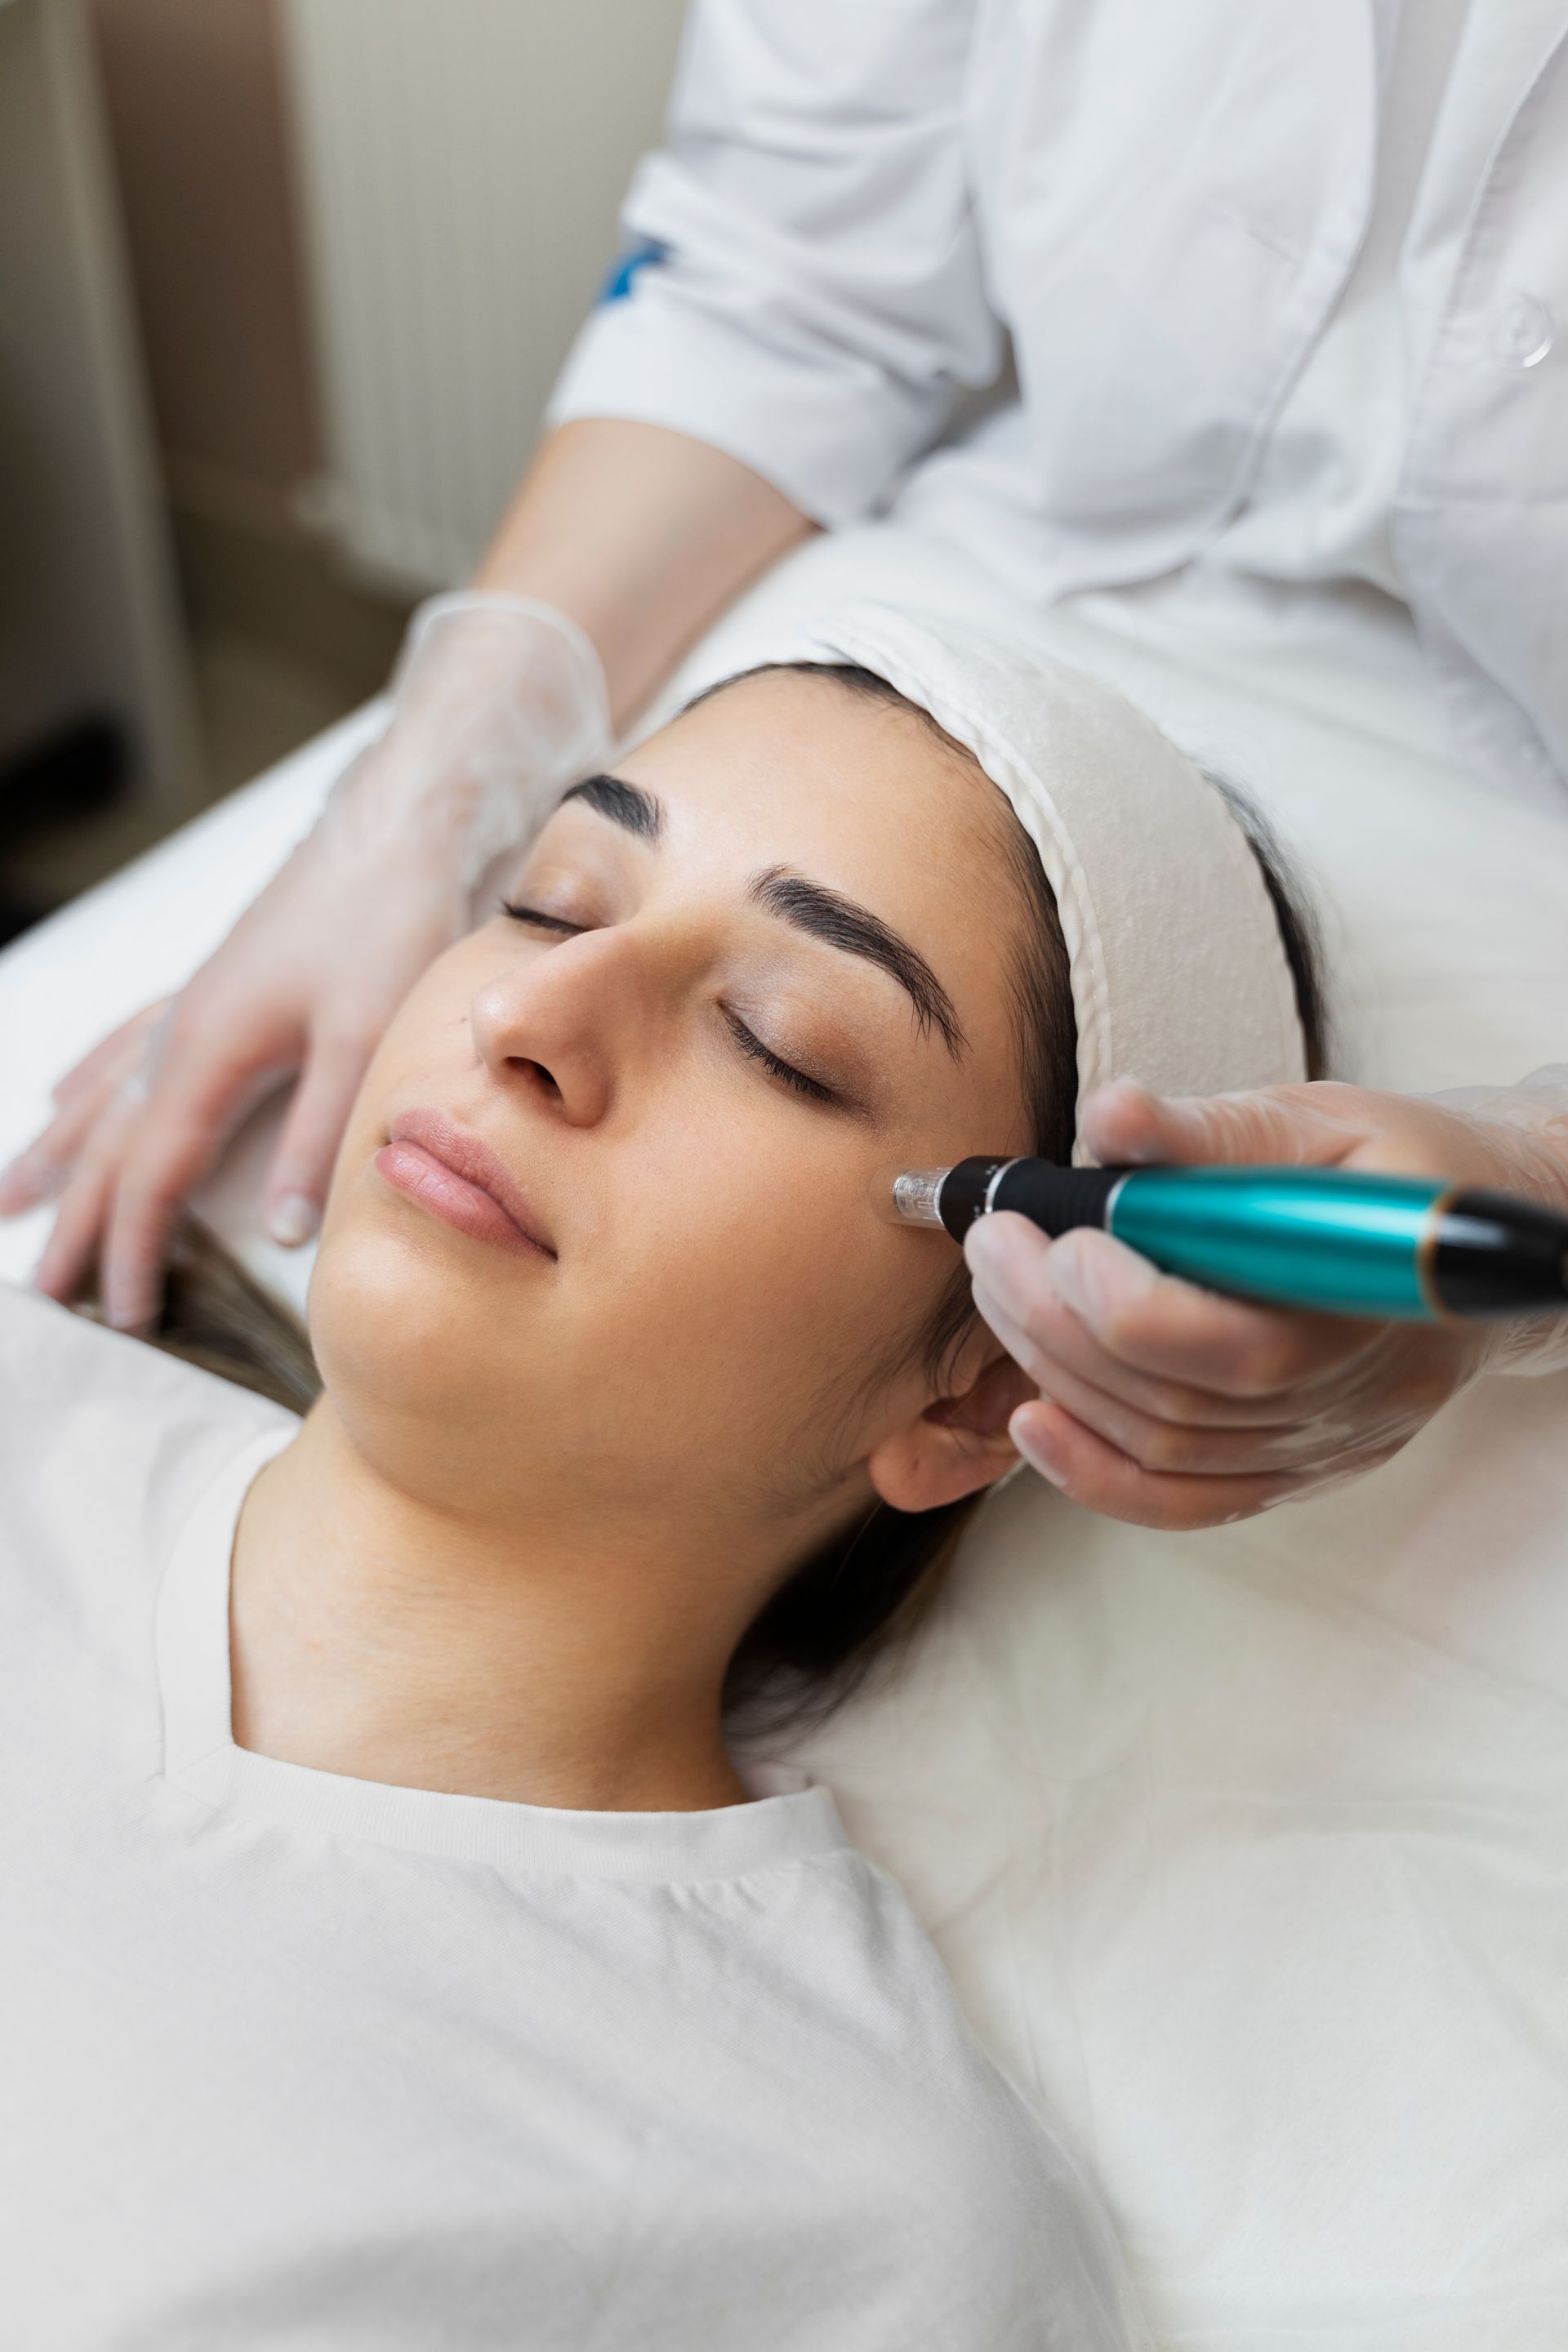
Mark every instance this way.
x=1162 y=205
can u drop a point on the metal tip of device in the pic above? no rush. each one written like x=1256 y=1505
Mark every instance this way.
x=909 y=1196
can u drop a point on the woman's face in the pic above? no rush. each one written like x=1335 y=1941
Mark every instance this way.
x=768 y=962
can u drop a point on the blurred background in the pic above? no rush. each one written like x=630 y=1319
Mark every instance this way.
x=284 y=285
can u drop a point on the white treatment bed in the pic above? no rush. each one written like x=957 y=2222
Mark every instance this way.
x=1249 y=1850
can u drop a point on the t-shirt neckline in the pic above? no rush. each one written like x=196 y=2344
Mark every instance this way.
x=788 y=1819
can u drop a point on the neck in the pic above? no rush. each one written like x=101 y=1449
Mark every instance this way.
x=391 y=1639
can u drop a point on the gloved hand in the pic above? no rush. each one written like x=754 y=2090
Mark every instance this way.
x=1166 y=1405
x=498 y=702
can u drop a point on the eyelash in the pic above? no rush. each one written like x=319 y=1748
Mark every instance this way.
x=750 y=1044
x=541 y=921
x=812 y=1089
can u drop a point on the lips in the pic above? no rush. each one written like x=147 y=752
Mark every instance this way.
x=459 y=1178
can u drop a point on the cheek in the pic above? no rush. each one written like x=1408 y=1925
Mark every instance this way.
x=747 y=1290
x=391 y=1315
x=433 y=1365
x=397 y=1312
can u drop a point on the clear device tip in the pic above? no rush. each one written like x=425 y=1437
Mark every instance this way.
x=909 y=1196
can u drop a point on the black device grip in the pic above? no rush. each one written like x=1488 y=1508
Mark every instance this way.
x=1054 y=1198
x=1492 y=1251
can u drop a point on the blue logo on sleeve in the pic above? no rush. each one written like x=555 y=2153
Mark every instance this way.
x=630 y=265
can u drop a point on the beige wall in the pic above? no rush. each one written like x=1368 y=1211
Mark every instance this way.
x=87 y=623
x=196 y=105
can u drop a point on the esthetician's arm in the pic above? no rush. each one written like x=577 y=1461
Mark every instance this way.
x=639 y=537
x=1165 y=1405
x=642 y=537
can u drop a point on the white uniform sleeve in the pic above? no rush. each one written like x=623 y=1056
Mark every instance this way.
x=803 y=287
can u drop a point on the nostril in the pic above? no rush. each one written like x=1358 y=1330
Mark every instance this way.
x=546 y=1082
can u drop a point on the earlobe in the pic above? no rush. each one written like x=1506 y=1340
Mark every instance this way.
x=956 y=1447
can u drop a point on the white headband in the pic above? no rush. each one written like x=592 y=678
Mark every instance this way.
x=1178 y=971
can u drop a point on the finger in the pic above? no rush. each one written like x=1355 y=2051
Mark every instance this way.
x=159 y=1171
x=139 y=1215
x=72 y=1248
x=1193 y=1450
x=42 y=1169
x=89 y=1141
x=39 y=1170
x=192 y=1110
x=302 y=1164
x=1126 y=1125
x=109 y=1053
x=1159 y=1323
x=1057 y=1344
x=1087 y=1470
x=1125 y=1318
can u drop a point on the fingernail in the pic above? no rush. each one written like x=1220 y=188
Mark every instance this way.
x=1039 y=1446
x=293 y=1221
x=122 y=1311
x=1107 y=1121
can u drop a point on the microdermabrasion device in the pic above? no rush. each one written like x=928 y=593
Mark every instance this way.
x=1330 y=1238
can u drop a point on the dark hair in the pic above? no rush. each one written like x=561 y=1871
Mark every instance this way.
x=212 y=1315
x=857 y=1602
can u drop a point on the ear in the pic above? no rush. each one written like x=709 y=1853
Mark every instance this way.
x=957 y=1445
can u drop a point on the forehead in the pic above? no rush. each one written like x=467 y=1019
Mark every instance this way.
x=866 y=797
x=797 y=767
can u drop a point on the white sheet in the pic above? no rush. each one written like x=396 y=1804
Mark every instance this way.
x=1250 y=1848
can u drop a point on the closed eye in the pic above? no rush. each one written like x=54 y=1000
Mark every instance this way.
x=774 y=1063
x=750 y=1044
x=540 y=920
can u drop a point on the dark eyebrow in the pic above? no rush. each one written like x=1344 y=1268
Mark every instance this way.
x=626 y=805
x=843 y=924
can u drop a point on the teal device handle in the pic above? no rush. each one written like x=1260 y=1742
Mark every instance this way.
x=1411 y=1247
x=1331 y=1239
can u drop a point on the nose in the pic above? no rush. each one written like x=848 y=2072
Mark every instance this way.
x=557 y=1024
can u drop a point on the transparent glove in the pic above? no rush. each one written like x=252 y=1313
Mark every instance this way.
x=1166 y=1405
x=498 y=702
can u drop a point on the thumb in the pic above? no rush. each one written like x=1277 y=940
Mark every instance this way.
x=1127 y=1125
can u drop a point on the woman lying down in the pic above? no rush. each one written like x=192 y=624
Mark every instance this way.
x=396 y=1949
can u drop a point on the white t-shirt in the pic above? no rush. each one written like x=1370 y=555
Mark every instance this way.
x=293 y=2059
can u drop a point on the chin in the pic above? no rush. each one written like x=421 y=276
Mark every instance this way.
x=398 y=1322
